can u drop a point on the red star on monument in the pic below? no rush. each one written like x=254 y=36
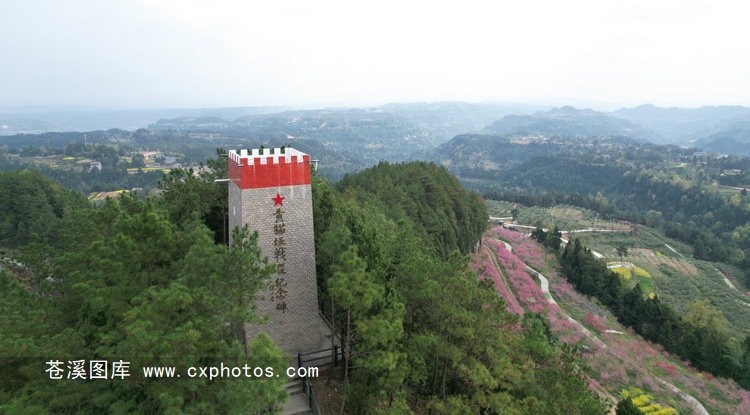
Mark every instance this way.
x=278 y=200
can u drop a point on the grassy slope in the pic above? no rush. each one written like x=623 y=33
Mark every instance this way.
x=679 y=279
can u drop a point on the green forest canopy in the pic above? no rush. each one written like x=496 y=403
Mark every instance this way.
x=130 y=277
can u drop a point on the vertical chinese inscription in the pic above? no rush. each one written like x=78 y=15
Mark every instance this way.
x=278 y=287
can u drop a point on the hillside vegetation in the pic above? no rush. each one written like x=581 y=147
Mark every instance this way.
x=619 y=359
x=419 y=329
x=32 y=207
x=425 y=328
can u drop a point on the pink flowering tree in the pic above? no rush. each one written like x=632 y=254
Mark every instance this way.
x=486 y=270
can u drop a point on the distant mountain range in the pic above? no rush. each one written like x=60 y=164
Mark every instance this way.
x=364 y=136
x=443 y=120
x=29 y=121
x=394 y=131
x=569 y=121
x=684 y=126
x=731 y=139
x=723 y=129
x=446 y=120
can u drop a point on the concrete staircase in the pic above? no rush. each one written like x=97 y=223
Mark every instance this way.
x=298 y=403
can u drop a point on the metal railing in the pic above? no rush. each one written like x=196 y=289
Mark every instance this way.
x=307 y=386
x=335 y=356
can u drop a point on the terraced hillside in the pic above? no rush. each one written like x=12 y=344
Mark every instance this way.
x=677 y=278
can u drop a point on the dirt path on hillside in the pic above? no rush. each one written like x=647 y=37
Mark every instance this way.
x=694 y=403
x=672 y=249
x=729 y=283
x=603 y=393
x=501 y=271
x=726 y=280
x=697 y=406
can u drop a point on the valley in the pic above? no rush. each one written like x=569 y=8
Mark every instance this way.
x=668 y=221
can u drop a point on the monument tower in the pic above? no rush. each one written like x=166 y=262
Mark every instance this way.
x=270 y=190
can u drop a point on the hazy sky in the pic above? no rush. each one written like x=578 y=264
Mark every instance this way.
x=207 y=53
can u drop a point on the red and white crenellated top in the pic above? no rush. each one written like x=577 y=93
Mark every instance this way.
x=269 y=168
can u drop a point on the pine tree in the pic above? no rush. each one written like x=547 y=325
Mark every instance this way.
x=245 y=271
x=352 y=289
